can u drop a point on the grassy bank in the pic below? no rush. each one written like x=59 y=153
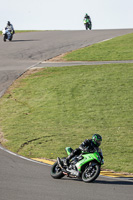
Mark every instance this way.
x=119 y=48
x=57 y=107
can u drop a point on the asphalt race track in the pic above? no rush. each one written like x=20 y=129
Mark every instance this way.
x=28 y=49
x=22 y=179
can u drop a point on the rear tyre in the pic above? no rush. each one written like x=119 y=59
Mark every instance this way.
x=90 y=26
x=91 y=172
x=56 y=171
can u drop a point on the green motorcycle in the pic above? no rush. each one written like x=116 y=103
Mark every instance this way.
x=86 y=166
x=87 y=23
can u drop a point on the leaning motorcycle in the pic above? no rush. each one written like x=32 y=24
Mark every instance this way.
x=7 y=34
x=86 y=166
x=88 y=24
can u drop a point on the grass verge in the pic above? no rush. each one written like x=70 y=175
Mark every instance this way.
x=119 y=48
x=46 y=111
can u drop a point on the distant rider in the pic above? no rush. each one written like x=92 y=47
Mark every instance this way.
x=87 y=17
x=90 y=144
x=10 y=27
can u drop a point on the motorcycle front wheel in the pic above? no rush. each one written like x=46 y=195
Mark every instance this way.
x=56 y=171
x=4 y=38
x=91 y=172
x=86 y=26
x=11 y=38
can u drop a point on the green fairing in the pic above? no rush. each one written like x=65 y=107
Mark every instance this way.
x=86 y=20
x=87 y=158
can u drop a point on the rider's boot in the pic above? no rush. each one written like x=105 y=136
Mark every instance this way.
x=67 y=161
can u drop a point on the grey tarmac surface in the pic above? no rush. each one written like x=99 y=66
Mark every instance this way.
x=24 y=180
x=29 y=49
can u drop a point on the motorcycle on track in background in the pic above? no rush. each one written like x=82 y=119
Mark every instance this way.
x=86 y=166
x=7 y=34
x=88 y=24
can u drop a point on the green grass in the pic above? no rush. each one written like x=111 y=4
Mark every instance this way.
x=119 y=48
x=58 y=107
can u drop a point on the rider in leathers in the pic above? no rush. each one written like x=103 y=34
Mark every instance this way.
x=10 y=27
x=87 y=17
x=90 y=144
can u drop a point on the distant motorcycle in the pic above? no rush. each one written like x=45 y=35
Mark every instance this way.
x=7 y=34
x=86 y=166
x=88 y=24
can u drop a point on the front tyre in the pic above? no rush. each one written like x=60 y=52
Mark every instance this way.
x=11 y=37
x=56 y=171
x=4 y=38
x=86 y=26
x=91 y=172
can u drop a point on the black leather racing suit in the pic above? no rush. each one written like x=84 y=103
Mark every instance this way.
x=87 y=144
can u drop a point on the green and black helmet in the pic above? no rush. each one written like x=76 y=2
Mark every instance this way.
x=96 y=139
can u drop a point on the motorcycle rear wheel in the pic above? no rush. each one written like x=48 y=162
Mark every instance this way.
x=91 y=173
x=56 y=171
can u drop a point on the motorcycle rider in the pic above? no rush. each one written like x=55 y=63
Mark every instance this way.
x=87 y=22
x=87 y=17
x=89 y=144
x=10 y=27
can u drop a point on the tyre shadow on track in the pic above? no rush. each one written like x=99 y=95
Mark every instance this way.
x=111 y=182
x=115 y=182
x=24 y=40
